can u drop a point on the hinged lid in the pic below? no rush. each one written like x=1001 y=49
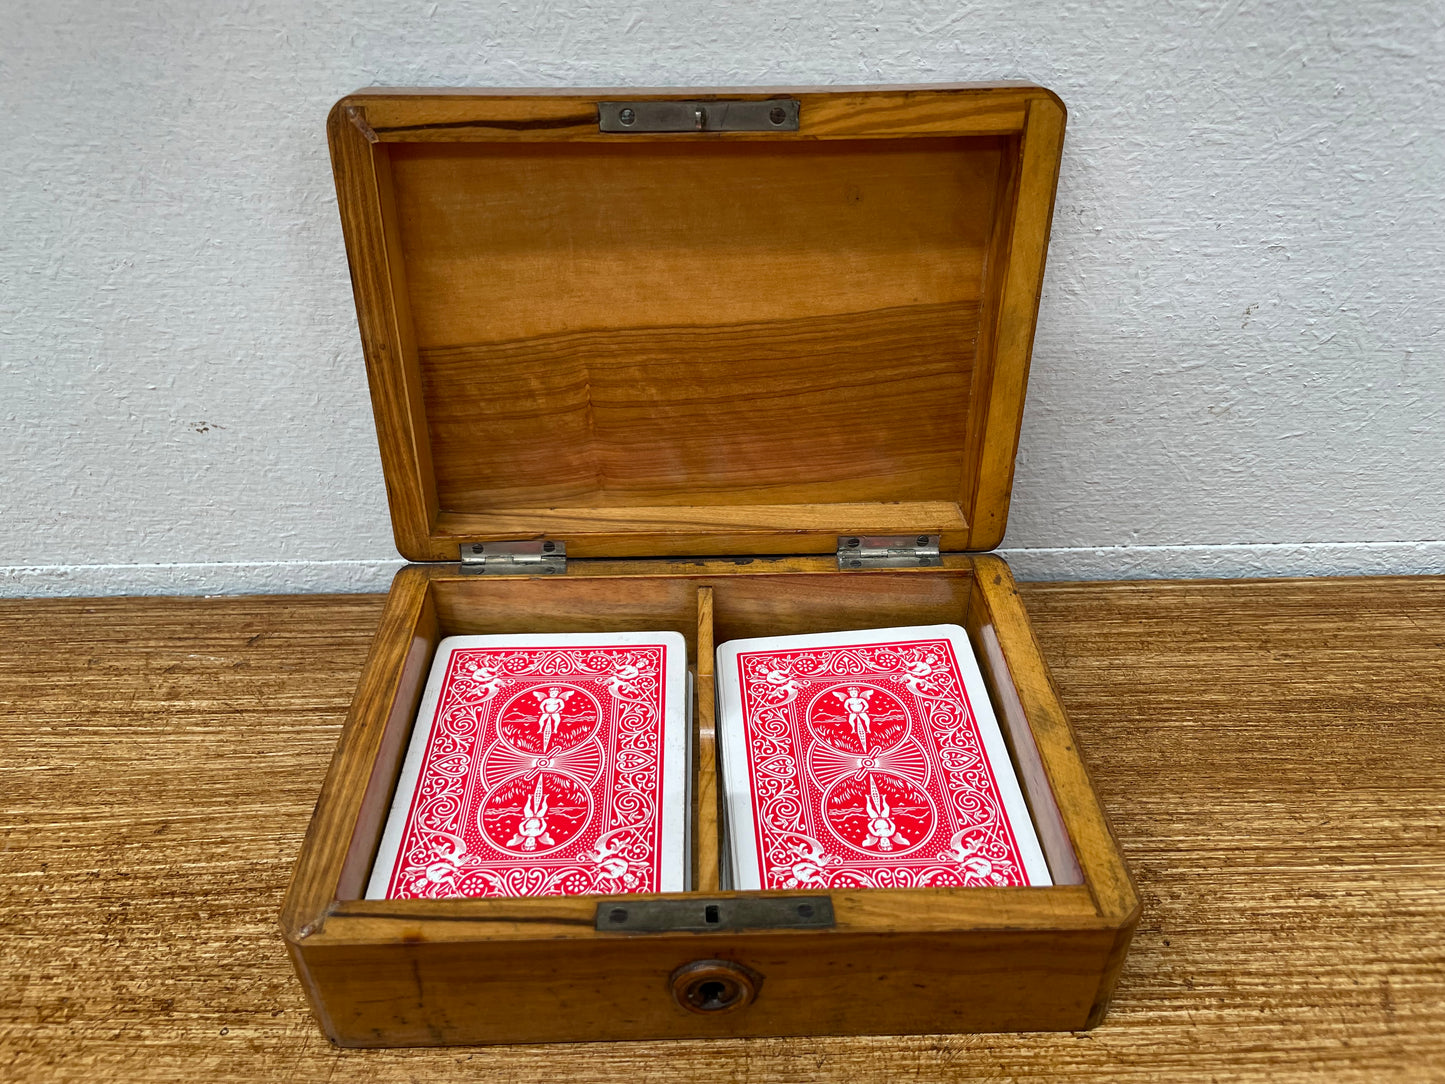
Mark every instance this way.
x=739 y=337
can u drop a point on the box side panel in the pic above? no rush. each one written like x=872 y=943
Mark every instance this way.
x=1097 y=850
x=424 y=994
x=1017 y=313
x=347 y=820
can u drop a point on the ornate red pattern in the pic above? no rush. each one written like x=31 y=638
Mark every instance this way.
x=868 y=770
x=542 y=776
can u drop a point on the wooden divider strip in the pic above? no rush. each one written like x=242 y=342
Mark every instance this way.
x=705 y=815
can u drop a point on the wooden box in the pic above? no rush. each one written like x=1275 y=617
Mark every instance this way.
x=707 y=353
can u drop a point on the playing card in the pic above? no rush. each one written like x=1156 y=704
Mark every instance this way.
x=690 y=759
x=868 y=759
x=543 y=765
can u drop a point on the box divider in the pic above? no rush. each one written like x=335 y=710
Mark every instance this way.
x=705 y=814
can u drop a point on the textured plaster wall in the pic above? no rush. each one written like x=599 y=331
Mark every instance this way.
x=1239 y=365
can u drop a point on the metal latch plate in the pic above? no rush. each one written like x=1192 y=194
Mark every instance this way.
x=888 y=551
x=769 y=115
x=703 y=915
x=530 y=558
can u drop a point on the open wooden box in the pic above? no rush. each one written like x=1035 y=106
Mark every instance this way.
x=742 y=328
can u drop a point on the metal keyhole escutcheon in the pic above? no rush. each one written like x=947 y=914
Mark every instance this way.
x=711 y=986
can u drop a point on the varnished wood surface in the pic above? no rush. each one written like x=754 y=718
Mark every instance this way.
x=1270 y=754
x=424 y=114
x=630 y=341
x=706 y=841
x=403 y=973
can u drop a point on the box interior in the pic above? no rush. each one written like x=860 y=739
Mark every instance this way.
x=795 y=331
x=707 y=610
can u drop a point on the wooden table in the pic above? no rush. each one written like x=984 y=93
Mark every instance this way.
x=1272 y=755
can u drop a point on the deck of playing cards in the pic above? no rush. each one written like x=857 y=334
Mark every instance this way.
x=543 y=765
x=867 y=760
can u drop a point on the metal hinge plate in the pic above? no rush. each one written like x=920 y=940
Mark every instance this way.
x=770 y=115
x=865 y=551
x=704 y=915
x=534 y=558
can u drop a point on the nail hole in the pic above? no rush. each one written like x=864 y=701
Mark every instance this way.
x=618 y=914
x=805 y=909
x=711 y=914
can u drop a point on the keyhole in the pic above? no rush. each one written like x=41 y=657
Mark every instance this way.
x=709 y=986
x=712 y=996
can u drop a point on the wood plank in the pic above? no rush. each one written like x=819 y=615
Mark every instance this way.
x=1095 y=848
x=910 y=910
x=695 y=324
x=1269 y=755
x=706 y=840
x=706 y=415
x=365 y=200
x=351 y=811
x=1022 y=273
x=523 y=116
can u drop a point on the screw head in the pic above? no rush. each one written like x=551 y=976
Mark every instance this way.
x=627 y=116
x=778 y=114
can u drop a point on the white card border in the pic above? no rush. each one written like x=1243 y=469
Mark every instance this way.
x=733 y=745
x=672 y=874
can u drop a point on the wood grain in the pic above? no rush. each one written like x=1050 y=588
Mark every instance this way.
x=1020 y=281
x=378 y=284
x=630 y=342
x=406 y=114
x=705 y=828
x=1022 y=959
x=1269 y=754
x=595 y=418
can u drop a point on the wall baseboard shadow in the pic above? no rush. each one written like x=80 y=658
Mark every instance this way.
x=1063 y=563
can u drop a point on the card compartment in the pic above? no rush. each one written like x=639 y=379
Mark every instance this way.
x=749 y=606
x=996 y=959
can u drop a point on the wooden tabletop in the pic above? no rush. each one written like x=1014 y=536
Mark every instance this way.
x=1272 y=755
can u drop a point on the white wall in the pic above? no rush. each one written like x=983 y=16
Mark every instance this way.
x=1239 y=366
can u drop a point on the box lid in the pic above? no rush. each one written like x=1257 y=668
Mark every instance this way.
x=702 y=341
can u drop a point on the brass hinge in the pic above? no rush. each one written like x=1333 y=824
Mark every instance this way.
x=534 y=558
x=865 y=551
